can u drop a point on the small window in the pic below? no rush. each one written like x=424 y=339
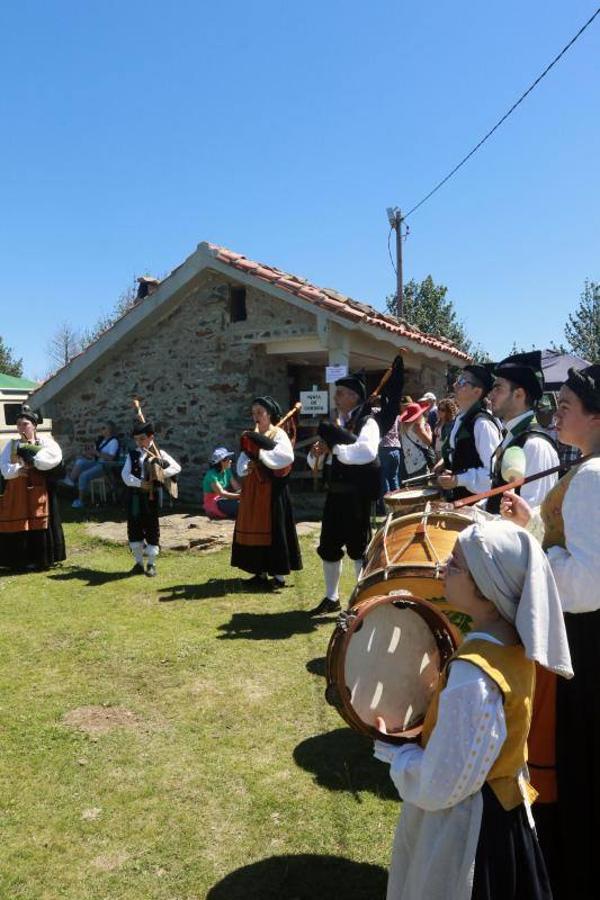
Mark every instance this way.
x=237 y=300
x=11 y=413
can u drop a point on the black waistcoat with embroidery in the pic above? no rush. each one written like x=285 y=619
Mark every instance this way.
x=366 y=478
x=524 y=430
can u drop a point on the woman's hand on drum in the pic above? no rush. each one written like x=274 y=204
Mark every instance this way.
x=515 y=509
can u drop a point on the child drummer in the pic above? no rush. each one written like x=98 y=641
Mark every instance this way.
x=144 y=497
x=466 y=831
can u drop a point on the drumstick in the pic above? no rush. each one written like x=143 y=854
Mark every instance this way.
x=512 y=485
x=418 y=478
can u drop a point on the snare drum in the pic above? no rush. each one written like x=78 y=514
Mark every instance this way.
x=404 y=502
x=408 y=554
x=384 y=659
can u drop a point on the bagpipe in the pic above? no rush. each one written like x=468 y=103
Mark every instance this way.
x=383 y=404
x=154 y=464
x=252 y=442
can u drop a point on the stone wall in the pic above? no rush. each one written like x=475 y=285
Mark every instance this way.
x=195 y=373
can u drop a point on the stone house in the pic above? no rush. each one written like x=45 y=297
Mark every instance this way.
x=218 y=331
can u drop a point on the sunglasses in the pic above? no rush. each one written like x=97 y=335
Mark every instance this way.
x=461 y=381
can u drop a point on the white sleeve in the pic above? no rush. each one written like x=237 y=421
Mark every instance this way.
x=487 y=437
x=9 y=470
x=281 y=455
x=173 y=468
x=577 y=568
x=48 y=456
x=467 y=738
x=127 y=476
x=112 y=448
x=539 y=455
x=364 y=450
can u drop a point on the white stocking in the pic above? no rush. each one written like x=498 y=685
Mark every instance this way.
x=152 y=552
x=332 y=572
x=137 y=548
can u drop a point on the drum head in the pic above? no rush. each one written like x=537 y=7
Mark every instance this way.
x=387 y=663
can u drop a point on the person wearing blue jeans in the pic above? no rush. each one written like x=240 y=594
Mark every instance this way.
x=86 y=468
x=390 y=457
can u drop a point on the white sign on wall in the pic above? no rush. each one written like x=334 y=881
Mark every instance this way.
x=332 y=373
x=314 y=402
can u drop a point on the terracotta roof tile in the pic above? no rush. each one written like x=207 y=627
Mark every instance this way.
x=332 y=300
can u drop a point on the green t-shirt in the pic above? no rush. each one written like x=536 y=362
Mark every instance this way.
x=224 y=479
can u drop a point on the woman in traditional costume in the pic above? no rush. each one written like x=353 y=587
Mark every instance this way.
x=31 y=534
x=265 y=540
x=565 y=733
x=466 y=831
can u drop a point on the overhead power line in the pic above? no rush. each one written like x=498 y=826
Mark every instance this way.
x=504 y=117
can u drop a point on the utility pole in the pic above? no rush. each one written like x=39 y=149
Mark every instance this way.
x=395 y=219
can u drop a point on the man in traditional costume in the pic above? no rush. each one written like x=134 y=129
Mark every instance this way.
x=354 y=480
x=564 y=743
x=145 y=496
x=474 y=437
x=31 y=534
x=265 y=542
x=518 y=388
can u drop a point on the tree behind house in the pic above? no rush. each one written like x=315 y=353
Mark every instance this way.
x=582 y=330
x=8 y=364
x=426 y=307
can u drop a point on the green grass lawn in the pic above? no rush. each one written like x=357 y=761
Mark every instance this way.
x=226 y=774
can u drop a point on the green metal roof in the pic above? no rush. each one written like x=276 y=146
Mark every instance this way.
x=10 y=382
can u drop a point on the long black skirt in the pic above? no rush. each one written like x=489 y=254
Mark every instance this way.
x=509 y=864
x=282 y=555
x=569 y=830
x=39 y=549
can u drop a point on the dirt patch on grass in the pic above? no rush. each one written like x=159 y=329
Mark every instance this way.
x=101 y=719
x=182 y=531
x=108 y=862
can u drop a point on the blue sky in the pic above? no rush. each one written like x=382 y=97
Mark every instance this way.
x=133 y=130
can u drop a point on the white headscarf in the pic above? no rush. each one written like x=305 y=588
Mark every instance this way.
x=511 y=569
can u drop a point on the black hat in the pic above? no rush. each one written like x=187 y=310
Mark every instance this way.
x=270 y=404
x=483 y=373
x=26 y=412
x=356 y=381
x=524 y=370
x=586 y=384
x=146 y=428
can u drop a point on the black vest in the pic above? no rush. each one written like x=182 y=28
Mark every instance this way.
x=465 y=455
x=136 y=463
x=530 y=429
x=364 y=479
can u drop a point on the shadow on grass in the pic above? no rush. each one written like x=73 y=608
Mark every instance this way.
x=343 y=760
x=317 y=666
x=303 y=877
x=267 y=626
x=211 y=589
x=92 y=577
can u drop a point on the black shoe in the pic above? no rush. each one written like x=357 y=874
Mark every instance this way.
x=151 y=570
x=325 y=607
x=276 y=584
x=258 y=582
x=138 y=569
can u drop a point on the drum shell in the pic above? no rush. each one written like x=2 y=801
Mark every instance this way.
x=407 y=502
x=411 y=564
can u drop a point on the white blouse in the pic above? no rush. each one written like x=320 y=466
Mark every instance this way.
x=48 y=457
x=576 y=568
x=279 y=457
x=464 y=745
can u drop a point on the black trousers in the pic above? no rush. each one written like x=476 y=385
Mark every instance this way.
x=142 y=518
x=346 y=523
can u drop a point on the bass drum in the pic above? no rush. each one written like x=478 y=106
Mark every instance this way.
x=408 y=554
x=384 y=659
